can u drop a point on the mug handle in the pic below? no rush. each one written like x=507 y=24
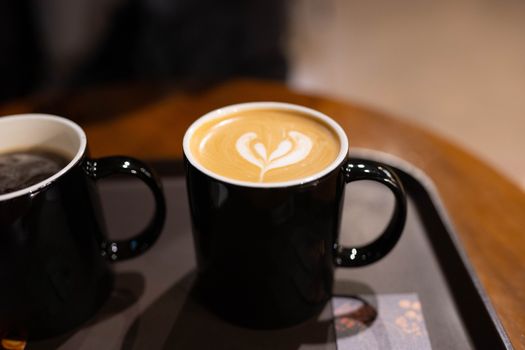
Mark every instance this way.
x=355 y=170
x=130 y=248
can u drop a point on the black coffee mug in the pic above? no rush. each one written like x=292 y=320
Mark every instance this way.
x=266 y=253
x=55 y=253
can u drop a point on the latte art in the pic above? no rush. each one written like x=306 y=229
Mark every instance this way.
x=287 y=153
x=265 y=145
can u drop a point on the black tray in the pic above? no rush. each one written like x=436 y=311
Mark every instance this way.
x=150 y=307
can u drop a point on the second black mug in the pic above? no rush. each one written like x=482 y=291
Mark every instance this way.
x=266 y=252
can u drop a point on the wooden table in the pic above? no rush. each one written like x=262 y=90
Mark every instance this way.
x=488 y=211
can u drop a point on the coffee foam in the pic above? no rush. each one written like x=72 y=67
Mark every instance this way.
x=42 y=130
x=265 y=145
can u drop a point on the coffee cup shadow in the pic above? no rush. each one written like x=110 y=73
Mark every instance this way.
x=177 y=320
x=128 y=288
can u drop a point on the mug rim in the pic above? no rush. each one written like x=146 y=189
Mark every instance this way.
x=33 y=189
x=239 y=107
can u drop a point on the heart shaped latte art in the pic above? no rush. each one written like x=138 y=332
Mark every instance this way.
x=292 y=150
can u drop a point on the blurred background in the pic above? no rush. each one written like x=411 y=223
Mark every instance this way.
x=456 y=67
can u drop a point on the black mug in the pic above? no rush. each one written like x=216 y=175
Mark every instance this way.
x=55 y=253
x=266 y=253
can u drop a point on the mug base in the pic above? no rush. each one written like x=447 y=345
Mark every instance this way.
x=75 y=314
x=253 y=311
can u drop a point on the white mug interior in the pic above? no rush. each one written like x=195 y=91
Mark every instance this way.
x=48 y=132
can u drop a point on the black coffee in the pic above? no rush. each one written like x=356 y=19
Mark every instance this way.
x=21 y=169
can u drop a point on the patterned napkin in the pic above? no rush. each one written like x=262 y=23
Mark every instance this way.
x=385 y=321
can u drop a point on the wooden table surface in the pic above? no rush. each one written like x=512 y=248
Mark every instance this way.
x=488 y=211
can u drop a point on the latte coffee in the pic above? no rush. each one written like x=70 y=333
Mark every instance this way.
x=265 y=145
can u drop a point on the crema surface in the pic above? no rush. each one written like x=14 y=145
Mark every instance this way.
x=265 y=145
